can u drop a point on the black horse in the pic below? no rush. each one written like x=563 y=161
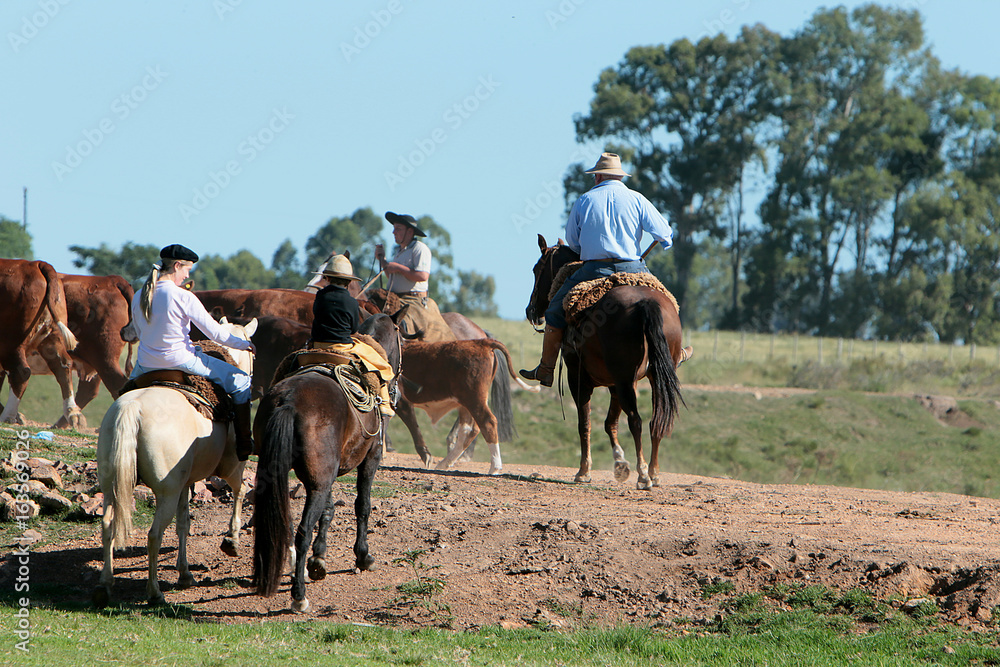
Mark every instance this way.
x=630 y=333
x=310 y=426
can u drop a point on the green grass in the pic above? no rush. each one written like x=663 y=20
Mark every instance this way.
x=759 y=633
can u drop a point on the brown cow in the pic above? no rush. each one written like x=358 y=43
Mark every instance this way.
x=33 y=312
x=440 y=377
x=289 y=303
x=98 y=307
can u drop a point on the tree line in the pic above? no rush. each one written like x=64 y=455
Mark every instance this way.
x=872 y=171
x=454 y=289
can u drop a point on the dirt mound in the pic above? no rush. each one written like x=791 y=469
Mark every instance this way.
x=529 y=547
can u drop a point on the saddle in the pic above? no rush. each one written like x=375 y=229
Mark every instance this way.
x=327 y=363
x=586 y=294
x=208 y=398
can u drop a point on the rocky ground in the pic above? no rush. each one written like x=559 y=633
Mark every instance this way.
x=529 y=547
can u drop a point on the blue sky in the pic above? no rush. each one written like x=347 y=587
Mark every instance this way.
x=239 y=123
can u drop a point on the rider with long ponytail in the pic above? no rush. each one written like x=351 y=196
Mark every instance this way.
x=163 y=313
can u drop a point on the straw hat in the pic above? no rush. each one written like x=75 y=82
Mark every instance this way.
x=609 y=164
x=338 y=267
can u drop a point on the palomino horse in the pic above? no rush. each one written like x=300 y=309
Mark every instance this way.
x=632 y=332
x=156 y=433
x=307 y=423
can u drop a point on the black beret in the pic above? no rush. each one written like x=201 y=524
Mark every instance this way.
x=177 y=251
x=405 y=220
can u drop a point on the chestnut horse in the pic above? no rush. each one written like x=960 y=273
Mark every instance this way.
x=306 y=423
x=630 y=333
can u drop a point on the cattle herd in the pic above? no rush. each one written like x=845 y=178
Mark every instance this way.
x=62 y=324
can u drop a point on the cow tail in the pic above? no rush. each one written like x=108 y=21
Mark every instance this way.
x=55 y=301
x=271 y=512
x=119 y=480
x=660 y=370
x=500 y=400
x=127 y=293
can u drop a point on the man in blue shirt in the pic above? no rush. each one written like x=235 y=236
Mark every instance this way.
x=605 y=227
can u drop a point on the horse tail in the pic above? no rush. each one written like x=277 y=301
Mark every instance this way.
x=125 y=289
x=660 y=370
x=500 y=394
x=121 y=458
x=271 y=512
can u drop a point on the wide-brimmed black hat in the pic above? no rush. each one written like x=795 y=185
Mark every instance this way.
x=406 y=221
x=177 y=251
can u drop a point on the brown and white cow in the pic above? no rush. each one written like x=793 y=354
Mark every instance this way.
x=98 y=308
x=441 y=377
x=33 y=312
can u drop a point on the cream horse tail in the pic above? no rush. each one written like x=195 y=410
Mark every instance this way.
x=122 y=458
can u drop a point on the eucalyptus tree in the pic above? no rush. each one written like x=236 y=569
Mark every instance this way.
x=15 y=241
x=686 y=118
x=844 y=118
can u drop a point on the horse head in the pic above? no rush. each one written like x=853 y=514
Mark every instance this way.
x=553 y=258
x=243 y=358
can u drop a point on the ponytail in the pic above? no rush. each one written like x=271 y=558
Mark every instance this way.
x=146 y=298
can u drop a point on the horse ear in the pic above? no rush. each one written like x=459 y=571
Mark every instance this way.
x=560 y=242
x=398 y=315
x=542 y=245
x=250 y=327
x=224 y=320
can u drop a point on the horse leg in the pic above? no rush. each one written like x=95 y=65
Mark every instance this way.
x=582 y=394
x=59 y=362
x=184 y=578
x=629 y=404
x=231 y=542
x=622 y=469
x=404 y=410
x=363 y=509
x=316 y=566
x=165 y=508
x=654 y=461
x=316 y=501
x=102 y=596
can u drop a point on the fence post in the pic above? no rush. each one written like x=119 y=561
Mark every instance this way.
x=772 y=348
x=972 y=352
x=715 y=347
x=795 y=348
x=743 y=342
x=840 y=350
x=819 y=351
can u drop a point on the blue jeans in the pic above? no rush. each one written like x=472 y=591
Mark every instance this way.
x=555 y=316
x=233 y=380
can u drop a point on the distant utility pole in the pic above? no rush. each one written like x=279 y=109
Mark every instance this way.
x=24 y=214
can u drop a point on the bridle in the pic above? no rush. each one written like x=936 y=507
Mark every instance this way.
x=548 y=256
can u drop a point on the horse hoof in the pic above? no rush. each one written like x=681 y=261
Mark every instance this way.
x=428 y=462
x=316 y=568
x=300 y=606
x=644 y=485
x=656 y=481
x=77 y=421
x=495 y=471
x=622 y=471
x=185 y=582
x=156 y=600
x=582 y=479
x=102 y=597
x=366 y=564
x=229 y=547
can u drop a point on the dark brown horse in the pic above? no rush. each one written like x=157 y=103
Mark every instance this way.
x=307 y=424
x=630 y=333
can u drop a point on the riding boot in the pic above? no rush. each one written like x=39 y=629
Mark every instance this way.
x=244 y=433
x=546 y=369
x=385 y=402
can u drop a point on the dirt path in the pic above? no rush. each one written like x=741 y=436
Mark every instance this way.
x=528 y=545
